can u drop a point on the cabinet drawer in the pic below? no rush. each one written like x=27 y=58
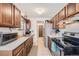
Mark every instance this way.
x=15 y=52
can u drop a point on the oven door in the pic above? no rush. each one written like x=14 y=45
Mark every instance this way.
x=57 y=47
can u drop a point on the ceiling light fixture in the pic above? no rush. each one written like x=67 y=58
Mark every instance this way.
x=39 y=10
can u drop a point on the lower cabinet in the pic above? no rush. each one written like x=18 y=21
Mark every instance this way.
x=21 y=50
x=49 y=43
x=24 y=49
x=28 y=46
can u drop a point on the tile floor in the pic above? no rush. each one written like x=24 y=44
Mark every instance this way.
x=40 y=49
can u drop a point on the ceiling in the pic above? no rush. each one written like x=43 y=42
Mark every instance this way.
x=40 y=10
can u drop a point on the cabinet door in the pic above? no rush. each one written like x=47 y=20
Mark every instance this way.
x=6 y=14
x=61 y=26
x=13 y=16
x=52 y=23
x=0 y=13
x=77 y=7
x=17 y=18
x=56 y=21
x=18 y=49
x=21 y=52
x=71 y=9
x=49 y=43
x=62 y=14
x=26 y=50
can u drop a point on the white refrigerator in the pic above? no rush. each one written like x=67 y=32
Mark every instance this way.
x=48 y=30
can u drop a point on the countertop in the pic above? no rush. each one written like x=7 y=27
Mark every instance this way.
x=55 y=36
x=15 y=44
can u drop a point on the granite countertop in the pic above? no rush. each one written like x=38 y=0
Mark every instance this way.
x=15 y=44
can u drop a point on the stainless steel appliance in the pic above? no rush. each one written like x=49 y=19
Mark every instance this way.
x=7 y=38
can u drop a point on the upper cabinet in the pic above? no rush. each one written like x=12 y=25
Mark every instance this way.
x=0 y=14
x=70 y=9
x=62 y=14
x=17 y=17
x=77 y=7
x=8 y=16
x=55 y=21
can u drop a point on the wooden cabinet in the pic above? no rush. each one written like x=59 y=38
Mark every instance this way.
x=28 y=45
x=49 y=43
x=61 y=25
x=24 y=48
x=18 y=50
x=52 y=24
x=0 y=14
x=68 y=11
x=77 y=7
x=71 y=9
x=17 y=18
x=62 y=14
x=21 y=50
x=55 y=21
x=6 y=14
x=13 y=16
x=9 y=15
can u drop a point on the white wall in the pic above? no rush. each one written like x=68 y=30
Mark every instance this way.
x=72 y=27
x=34 y=27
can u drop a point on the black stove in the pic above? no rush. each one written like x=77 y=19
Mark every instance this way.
x=70 y=46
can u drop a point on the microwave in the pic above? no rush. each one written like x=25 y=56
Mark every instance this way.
x=6 y=38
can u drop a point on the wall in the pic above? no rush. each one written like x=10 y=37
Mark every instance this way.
x=34 y=27
x=72 y=27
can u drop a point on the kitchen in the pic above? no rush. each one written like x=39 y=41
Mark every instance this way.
x=19 y=35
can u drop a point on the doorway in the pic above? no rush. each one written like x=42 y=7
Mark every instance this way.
x=40 y=29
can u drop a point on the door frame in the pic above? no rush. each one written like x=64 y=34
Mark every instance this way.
x=40 y=23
